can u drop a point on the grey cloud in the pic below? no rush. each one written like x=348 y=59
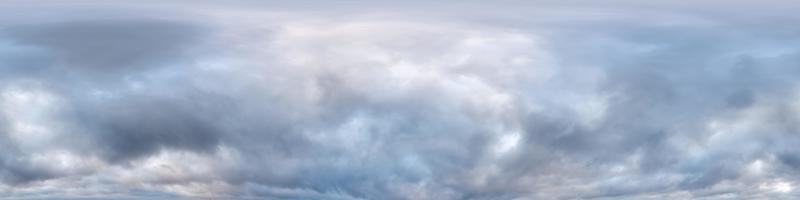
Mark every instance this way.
x=674 y=89
x=87 y=49
x=137 y=129
x=106 y=45
x=76 y=60
x=235 y=104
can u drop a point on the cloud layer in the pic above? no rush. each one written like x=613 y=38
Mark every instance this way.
x=514 y=100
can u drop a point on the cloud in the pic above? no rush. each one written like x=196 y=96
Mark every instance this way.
x=232 y=101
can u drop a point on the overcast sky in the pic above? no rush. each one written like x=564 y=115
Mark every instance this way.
x=391 y=100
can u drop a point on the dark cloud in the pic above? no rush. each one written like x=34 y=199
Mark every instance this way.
x=136 y=129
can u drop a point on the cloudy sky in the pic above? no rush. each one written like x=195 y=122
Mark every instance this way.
x=418 y=100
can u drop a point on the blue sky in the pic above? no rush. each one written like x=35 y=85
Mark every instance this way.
x=399 y=100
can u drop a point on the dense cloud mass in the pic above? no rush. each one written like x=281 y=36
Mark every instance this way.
x=413 y=100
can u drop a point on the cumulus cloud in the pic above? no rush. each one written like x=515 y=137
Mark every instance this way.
x=507 y=100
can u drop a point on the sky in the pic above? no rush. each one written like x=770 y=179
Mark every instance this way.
x=342 y=100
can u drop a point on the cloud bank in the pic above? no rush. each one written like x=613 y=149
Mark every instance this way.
x=366 y=100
